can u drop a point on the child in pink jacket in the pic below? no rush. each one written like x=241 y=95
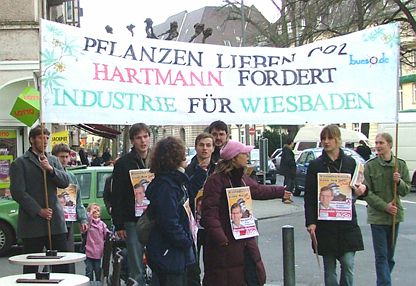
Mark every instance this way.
x=94 y=246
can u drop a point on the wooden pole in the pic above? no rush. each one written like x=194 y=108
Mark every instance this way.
x=45 y=185
x=38 y=78
x=315 y=247
x=393 y=227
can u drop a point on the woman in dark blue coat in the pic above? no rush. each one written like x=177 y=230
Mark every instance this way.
x=170 y=248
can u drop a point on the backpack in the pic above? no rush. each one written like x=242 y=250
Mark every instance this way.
x=144 y=226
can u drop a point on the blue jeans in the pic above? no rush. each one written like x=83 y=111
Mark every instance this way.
x=135 y=253
x=347 y=269
x=93 y=266
x=384 y=251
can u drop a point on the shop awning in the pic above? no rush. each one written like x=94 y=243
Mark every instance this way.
x=100 y=130
x=408 y=78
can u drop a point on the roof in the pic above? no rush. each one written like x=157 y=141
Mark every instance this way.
x=83 y=168
x=312 y=134
x=348 y=151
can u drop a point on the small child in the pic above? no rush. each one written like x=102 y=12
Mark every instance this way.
x=94 y=246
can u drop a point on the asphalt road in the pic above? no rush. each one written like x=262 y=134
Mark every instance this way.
x=306 y=266
x=274 y=214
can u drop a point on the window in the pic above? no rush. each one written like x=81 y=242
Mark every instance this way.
x=356 y=127
x=84 y=182
x=302 y=23
x=289 y=28
x=310 y=157
x=414 y=92
x=101 y=177
x=306 y=145
x=302 y=158
x=400 y=92
x=319 y=20
x=68 y=13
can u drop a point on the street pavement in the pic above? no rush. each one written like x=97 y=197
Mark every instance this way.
x=273 y=214
x=262 y=209
x=276 y=208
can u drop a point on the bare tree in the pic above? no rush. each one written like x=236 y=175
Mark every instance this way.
x=305 y=21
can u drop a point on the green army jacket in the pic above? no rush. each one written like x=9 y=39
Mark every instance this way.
x=379 y=180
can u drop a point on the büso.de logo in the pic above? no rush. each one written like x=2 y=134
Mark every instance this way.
x=370 y=60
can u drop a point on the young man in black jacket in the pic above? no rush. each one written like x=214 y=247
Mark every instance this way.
x=123 y=208
x=200 y=167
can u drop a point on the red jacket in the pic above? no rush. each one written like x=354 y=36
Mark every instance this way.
x=224 y=265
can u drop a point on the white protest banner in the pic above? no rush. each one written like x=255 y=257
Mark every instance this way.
x=102 y=78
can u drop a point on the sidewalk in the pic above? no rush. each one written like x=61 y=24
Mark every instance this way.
x=275 y=208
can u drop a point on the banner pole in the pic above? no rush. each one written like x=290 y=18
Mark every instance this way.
x=393 y=227
x=39 y=87
x=45 y=184
x=396 y=151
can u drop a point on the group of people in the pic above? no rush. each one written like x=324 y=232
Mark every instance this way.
x=173 y=251
x=35 y=215
x=174 y=247
x=386 y=178
x=104 y=160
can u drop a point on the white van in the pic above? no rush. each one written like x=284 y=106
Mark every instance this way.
x=309 y=137
x=406 y=143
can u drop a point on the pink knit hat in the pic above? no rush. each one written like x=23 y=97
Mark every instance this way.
x=233 y=148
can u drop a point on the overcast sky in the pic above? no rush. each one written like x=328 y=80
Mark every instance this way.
x=121 y=13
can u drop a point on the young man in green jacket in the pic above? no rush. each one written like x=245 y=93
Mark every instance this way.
x=381 y=176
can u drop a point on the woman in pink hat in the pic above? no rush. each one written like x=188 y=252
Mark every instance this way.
x=229 y=261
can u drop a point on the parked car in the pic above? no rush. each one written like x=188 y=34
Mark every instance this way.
x=305 y=157
x=413 y=185
x=276 y=157
x=91 y=181
x=255 y=161
x=309 y=137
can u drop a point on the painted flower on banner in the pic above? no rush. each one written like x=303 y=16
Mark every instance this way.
x=59 y=67
x=386 y=37
x=59 y=50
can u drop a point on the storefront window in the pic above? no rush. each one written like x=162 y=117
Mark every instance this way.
x=8 y=152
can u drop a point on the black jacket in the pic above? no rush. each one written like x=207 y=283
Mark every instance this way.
x=364 y=151
x=197 y=177
x=108 y=189
x=123 y=209
x=215 y=156
x=334 y=237
x=287 y=163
